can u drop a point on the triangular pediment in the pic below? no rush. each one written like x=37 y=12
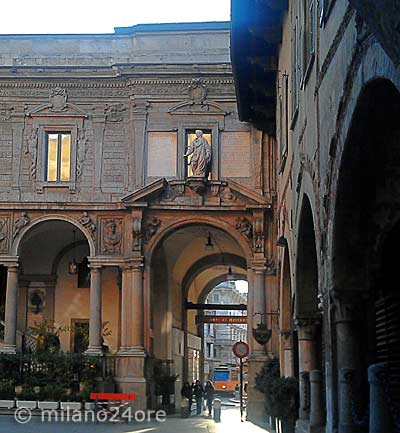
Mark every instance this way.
x=48 y=110
x=198 y=107
x=195 y=192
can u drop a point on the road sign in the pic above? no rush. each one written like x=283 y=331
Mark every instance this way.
x=240 y=349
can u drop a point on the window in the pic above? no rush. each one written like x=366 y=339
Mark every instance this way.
x=58 y=157
x=283 y=119
x=190 y=136
x=295 y=70
x=309 y=35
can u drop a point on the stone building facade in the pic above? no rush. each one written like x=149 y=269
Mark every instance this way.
x=322 y=78
x=93 y=132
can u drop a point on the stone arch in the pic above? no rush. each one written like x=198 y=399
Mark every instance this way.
x=208 y=261
x=306 y=292
x=52 y=217
x=218 y=224
x=220 y=279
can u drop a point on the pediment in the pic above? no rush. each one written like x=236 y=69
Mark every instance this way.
x=58 y=105
x=194 y=192
x=198 y=107
x=48 y=110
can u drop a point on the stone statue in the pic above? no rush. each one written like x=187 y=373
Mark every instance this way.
x=87 y=222
x=200 y=150
x=20 y=223
x=82 y=150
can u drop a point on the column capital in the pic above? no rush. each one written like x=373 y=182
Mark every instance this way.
x=345 y=303
x=307 y=327
x=9 y=261
x=134 y=264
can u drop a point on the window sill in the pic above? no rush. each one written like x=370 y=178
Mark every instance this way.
x=308 y=71
x=56 y=186
x=294 y=118
x=283 y=161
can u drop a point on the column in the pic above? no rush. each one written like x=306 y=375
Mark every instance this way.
x=130 y=366
x=345 y=304
x=317 y=418
x=307 y=331
x=379 y=415
x=95 y=323
x=257 y=357
x=10 y=329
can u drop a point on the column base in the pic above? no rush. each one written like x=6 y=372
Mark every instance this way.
x=255 y=399
x=130 y=375
x=131 y=351
x=94 y=351
x=10 y=349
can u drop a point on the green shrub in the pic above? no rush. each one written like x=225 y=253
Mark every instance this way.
x=7 y=389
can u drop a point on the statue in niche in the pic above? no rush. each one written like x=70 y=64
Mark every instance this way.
x=20 y=223
x=200 y=152
x=111 y=237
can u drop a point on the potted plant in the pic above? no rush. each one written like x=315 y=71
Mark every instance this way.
x=281 y=394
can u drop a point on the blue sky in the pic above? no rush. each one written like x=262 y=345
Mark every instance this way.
x=101 y=16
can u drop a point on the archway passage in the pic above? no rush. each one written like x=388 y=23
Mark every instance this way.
x=364 y=247
x=186 y=265
x=309 y=320
x=53 y=286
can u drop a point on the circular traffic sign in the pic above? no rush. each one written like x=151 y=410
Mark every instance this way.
x=240 y=349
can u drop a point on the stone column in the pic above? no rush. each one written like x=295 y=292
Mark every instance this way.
x=257 y=357
x=344 y=304
x=317 y=416
x=95 y=321
x=10 y=329
x=379 y=415
x=306 y=331
x=130 y=367
x=346 y=384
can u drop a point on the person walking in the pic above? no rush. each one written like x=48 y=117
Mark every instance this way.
x=198 y=392
x=187 y=392
x=209 y=394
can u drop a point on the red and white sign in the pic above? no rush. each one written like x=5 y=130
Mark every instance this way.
x=241 y=349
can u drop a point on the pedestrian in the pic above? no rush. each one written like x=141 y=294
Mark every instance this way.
x=187 y=392
x=209 y=394
x=198 y=392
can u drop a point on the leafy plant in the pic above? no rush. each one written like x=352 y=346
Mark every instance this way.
x=281 y=393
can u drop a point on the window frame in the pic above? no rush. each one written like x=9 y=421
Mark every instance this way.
x=44 y=126
x=59 y=156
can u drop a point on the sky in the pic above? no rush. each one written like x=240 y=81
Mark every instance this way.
x=101 y=16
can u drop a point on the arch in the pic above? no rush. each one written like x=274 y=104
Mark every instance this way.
x=217 y=280
x=52 y=217
x=220 y=224
x=306 y=264
x=208 y=261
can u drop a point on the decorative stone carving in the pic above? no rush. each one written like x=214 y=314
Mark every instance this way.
x=114 y=112
x=112 y=236
x=136 y=234
x=58 y=99
x=151 y=229
x=88 y=223
x=258 y=235
x=82 y=151
x=244 y=226
x=20 y=223
x=200 y=152
x=5 y=112
x=345 y=304
x=197 y=90
x=227 y=196
x=31 y=151
x=4 y=224
x=270 y=266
